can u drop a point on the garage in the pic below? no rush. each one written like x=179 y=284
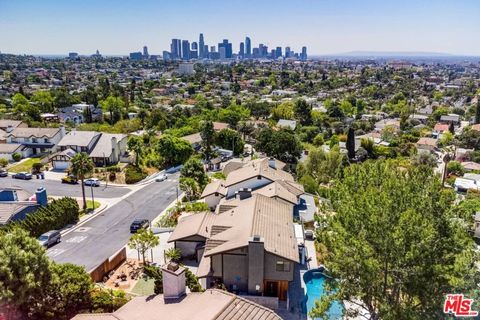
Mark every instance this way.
x=61 y=160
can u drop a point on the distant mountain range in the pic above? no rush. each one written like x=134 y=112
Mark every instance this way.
x=391 y=54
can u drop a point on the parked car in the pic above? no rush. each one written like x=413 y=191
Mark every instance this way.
x=161 y=178
x=50 y=238
x=309 y=234
x=139 y=224
x=70 y=179
x=92 y=182
x=3 y=173
x=22 y=175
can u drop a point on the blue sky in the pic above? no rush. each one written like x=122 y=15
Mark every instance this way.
x=324 y=26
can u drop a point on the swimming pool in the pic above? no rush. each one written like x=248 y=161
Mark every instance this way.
x=314 y=280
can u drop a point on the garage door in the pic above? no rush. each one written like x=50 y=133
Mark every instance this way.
x=61 y=165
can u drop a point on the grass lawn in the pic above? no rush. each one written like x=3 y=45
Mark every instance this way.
x=24 y=166
x=90 y=204
x=144 y=286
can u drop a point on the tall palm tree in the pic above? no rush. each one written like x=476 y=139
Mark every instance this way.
x=81 y=166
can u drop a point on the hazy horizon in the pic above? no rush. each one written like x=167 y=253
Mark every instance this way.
x=54 y=27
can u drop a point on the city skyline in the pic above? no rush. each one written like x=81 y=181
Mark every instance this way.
x=325 y=27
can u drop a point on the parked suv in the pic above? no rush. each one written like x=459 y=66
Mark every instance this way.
x=139 y=224
x=3 y=173
x=50 y=238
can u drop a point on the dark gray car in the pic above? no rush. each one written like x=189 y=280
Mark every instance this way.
x=50 y=238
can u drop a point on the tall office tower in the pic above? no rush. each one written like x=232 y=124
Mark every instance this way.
x=145 y=51
x=166 y=55
x=241 y=53
x=287 y=52
x=303 y=55
x=205 y=51
x=176 y=49
x=256 y=53
x=185 y=50
x=222 y=51
x=228 y=48
x=194 y=46
x=278 y=52
x=248 y=47
x=212 y=48
x=263 y=50
x=201 y=47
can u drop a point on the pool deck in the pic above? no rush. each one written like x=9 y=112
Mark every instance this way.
x=297 y=288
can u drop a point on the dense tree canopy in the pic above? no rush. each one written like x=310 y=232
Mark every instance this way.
x=281 y=144
x=395 y=244
x=173 y=150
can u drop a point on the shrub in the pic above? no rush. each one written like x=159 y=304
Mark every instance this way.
x=3 y=162
x=134 y=174
x=17 y=156
x=37 y=167
x=55 y=215
x=107 y=300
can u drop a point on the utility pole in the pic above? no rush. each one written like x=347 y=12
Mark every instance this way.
x=93 y=199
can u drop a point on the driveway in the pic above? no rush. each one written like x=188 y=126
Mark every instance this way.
x=100 y=237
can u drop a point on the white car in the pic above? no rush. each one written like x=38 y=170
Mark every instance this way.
x=161 y=178
x=92 y=182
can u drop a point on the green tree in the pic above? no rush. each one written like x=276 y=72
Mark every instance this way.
x=207 y=133
x=394 y=246
x=24 y=270
x=191 y=188
x=142 y=241
x=135 y=144
x=114 y=106
x=67 y=293
x=322 y=166
x=303 y=112
x=477 y=112
x=194 y=169
x=351 y=143
x=281 y=144
x=230 y=139
x=285 y=110
x=173 y=150
x=82 y=165
x=43 y=100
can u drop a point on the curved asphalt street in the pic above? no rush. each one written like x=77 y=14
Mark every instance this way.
x=102 y=236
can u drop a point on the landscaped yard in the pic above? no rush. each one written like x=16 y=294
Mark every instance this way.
x=144 y=286
x=24 y=166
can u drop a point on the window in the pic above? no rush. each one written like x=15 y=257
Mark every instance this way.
x=283 y=266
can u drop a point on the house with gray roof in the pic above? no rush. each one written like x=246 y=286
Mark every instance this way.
x=35 y=140
x=103 y=148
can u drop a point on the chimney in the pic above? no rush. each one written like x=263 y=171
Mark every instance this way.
x=256 y=257
x=271 y=163
x=41 y=196
x=243 y=193
x=62 y=131
x=9 y=128
x=173 y=281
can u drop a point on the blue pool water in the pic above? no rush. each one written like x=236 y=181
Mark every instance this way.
x=314 y=281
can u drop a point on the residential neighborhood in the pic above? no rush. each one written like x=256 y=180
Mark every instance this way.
x=205 y=182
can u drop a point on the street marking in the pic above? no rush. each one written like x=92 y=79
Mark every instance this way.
x=55 y=252
x=76 y=239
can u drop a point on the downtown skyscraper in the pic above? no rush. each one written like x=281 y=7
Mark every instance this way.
x=248 y=47
x=201 y=47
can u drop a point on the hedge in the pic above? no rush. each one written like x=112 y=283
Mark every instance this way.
x=54 y=216
x=134 y=174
